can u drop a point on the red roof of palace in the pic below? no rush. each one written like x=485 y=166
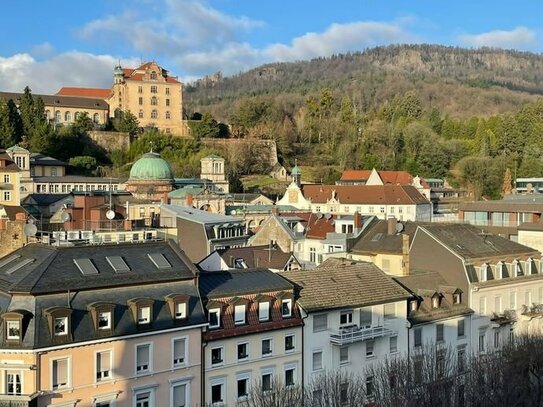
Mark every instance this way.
x=84 y=92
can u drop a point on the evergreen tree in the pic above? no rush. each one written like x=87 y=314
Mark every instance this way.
x=10 y=124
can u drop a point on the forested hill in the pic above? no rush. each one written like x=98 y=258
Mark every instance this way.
x=459 y=82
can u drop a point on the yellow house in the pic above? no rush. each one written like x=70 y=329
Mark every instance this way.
x=10 y=178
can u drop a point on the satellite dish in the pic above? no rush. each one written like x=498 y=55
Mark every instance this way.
x=233 y=212
x=65 y=217
x=328 y=216
x=319 y=215
x=30 y=229
x=110 y=214
x=31 y=221
x=333 y=223
x=399 y=227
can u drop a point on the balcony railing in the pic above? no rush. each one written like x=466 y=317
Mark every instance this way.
x=23 y=400
x=354 y=333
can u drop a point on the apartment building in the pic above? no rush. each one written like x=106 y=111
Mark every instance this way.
x=354 y=317
x=254 y=336
x=110 y=325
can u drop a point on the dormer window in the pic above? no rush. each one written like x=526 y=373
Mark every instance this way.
x=178 y=305
x=13 y=329
x=414 y=305
x=517 y=269
x=239 y=314
x=263 y=311
x=435 y=301
x=61 y=326
x=104 y=320
x=214 y=317
x=142 y=310
x=13 y=326
x=501 y=270
x=457 y=298
x=180 y=310
x=102 y=316
x=286 y=308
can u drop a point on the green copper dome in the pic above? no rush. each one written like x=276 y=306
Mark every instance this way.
x=296 y=170
x=151 y=167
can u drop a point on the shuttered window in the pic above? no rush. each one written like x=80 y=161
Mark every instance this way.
x=178 y=352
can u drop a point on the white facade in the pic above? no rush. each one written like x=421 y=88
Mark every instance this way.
x=352 y=339
x=411 y=212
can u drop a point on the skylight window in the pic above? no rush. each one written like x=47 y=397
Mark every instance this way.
x=118 y=264
x=159 y=260
x=377 y=237
x=9 y=259
x=19 y=265
x=85 y=266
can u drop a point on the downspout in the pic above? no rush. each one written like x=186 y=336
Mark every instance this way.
x=303 y=350
x=202 y=379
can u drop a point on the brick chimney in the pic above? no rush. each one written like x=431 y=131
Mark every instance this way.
x=275 y=210
x=405 y=254
x=391 y=226
x=357 y=218
x=189 y=199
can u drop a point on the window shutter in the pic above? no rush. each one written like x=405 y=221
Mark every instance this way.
x=143 y=355
x=61 y=372
x=104 y=362
x=179 y=395
x=179 y=351
x=320 y=322
x=239 y=311
x=263 y=310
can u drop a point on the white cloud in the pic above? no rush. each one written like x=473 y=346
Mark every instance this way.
x=48 y=76
x=339 y=38
x=518 y=38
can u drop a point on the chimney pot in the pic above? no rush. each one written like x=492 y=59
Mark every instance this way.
x=391 y=226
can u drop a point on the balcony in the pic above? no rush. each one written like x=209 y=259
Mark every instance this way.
x=354 y=333
x=24 y=400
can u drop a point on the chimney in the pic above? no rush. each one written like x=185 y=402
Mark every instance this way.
x=405 y=254
x=275 y=210
x=391 y=229
x=357 y=221
x=189 y=199
x=20 y=216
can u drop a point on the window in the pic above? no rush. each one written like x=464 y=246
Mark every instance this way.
x=457 y=298
x=214 y=317
x=498 y=304
x=243 y=353
x=6 y=178
x=167 y=102
x=153 y=89
x=140 y=89
x=216 y=356
x=481 y=341
x=320 y=322
x=528 y=298
x=439 y=332
x=513 y=300
x=365 y=318
x=317 y=360
x=179 y=395
x=217 y=393
x=67 y=117
x=435 y=301
x=312 y=255
x=267 y=347
x=144 y=315
x=461 y=359
x=167 y=90
x=13 y=329
x=289 y=343
x=168 y=115
x=418 y=337
x=154 y=101
x=440 y=363
x=290 y=374
x=263 y=311
x=140 y=102
x=7 y=195
x=104 y=320
x=153 y=75
x=286 y=308
x=154 y=114
x=103 y=366
x=143 y=358
x=96 y=118
x=390 y=311
x=482 y=306
x=346 y=317
x=242 y=387
x=369 y=386
x=393 y=344
x=460 y=328
x=180 y=310
x=267 y=381
x=13 y=383
x=239 y=314
x=179 y=352
x=58 y=117
x=60 y=373
x=140 y=114
x=370 y=348
x=54 y=174
x=496 y=339
x=61 y=326
x=344 y=354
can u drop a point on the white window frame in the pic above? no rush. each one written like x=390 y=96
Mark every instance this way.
x=218 y=312
x=370 y=355
x=390 y=348
x=151 y=389
x=293 y=335
x=347 y=360
x=16 y=322
x=185 y=361
x=349 y=319
x=240 y=312
x=319 y=329
x=218 y=382
x=266 y=355
x=66 y=329
x=109 y=318
x=290 y=366
x=287 y=301
x=513 y=300
x=180 y=382
x=267 y=371
x=141 y=314
x=180 y=306
x=221 y=363
x=110 y=377
x=69 y=373
x=246 y=343
x=150 y=366
x=315 y=351
x=247 y=377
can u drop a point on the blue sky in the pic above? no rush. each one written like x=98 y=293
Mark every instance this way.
x=54 y=43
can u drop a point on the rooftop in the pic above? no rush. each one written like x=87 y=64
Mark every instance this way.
x=257 y=256
x=365 y=194
x=199 y=216
x=61 y=101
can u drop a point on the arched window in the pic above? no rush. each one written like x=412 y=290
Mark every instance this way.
x=140 y=114
x=67 y=117
x=76 y=115
x=48 y=114
x=96 y=118
x=153 y=75
x=154 y=101
x=58 y=116
x=168 y=115
x=154 y=114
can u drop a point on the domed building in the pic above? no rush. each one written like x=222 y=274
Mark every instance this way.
x=151 y=177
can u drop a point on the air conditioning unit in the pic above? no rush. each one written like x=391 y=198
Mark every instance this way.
x=73 y=235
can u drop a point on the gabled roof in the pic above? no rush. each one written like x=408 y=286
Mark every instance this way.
x=12 y=211
x=271 y=257
x=44 y=199
x=52 y=269
x=84 y=92
x=469 y=243
x=340 y=283
x=365 y=194
x=137 y=74
x=216 y=284
x=388 y=177
x=317 y=226
x=61 y=101
x=40 y=159
x=375 y=239
x=199 y=216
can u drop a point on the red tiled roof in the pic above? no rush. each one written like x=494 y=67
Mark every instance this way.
x=135 y=75
x=388 y=177
x=355 y=175
x=365 y=194
x=316 y=228
x=84 y=92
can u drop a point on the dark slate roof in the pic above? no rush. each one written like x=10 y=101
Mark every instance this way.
x=40 y=159
x=339 y=283
x=216 y=284
x=469 y=243
x=44 y=199
x=375 y=239
x=78 y=178
x=37 y=334
x=257 y=256
x=53 y=269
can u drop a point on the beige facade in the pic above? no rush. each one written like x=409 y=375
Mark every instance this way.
x=212 y=168
x=66 y=115
x=153 y=96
